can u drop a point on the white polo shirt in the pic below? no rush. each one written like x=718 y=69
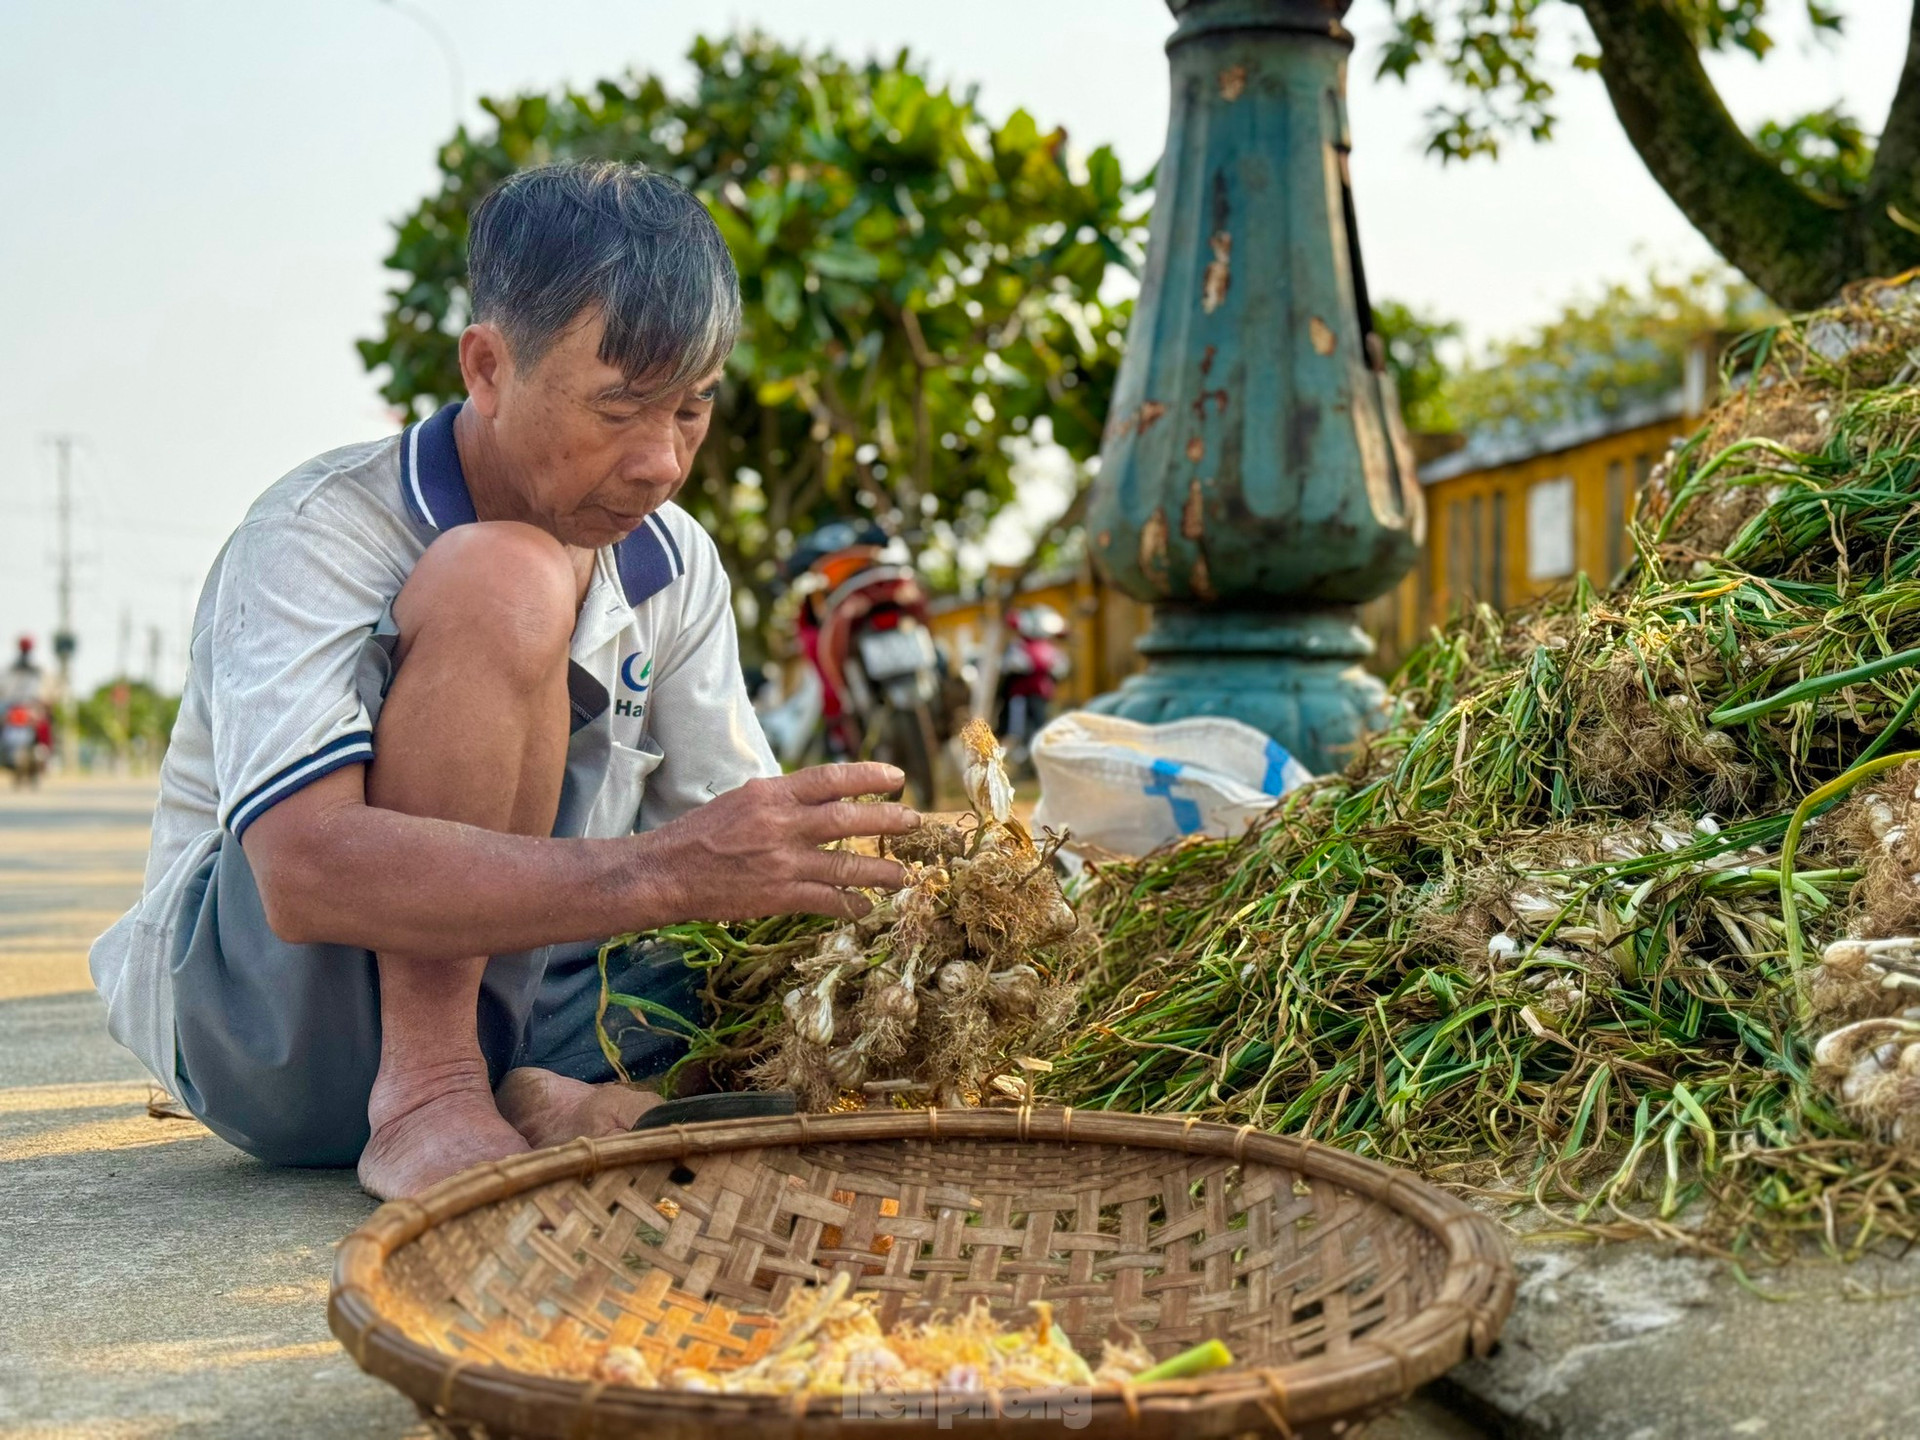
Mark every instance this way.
x=276 y=687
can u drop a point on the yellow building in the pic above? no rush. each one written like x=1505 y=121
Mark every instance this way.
x=1510 y=518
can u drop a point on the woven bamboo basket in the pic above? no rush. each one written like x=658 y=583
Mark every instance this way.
x=1339 y=1284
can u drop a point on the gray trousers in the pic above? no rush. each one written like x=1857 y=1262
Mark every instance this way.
x=276 y=1045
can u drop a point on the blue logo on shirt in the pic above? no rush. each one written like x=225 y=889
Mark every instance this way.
x=636 y=683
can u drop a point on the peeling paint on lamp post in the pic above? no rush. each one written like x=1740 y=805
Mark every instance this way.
x=1255 y=482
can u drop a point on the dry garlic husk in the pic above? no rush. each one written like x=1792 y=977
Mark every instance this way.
x=829 y=1342
x=950 y=981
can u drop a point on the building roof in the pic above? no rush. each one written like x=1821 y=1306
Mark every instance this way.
x=1486 y=449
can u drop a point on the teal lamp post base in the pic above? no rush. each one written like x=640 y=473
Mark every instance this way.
x=1297 y=675
x=1256 y=484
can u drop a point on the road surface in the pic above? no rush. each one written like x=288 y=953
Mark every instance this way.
x=155 y=1281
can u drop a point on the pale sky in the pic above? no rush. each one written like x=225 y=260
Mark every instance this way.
x=199 y=193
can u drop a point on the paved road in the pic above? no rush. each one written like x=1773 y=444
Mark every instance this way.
x=155 y=1281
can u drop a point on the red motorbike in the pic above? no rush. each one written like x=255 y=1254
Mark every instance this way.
x=1032 y=666
x=863 y=628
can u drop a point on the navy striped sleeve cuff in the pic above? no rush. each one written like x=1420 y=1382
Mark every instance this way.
x=353 y=749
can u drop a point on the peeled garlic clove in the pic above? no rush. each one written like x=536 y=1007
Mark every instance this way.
x=624 y=1365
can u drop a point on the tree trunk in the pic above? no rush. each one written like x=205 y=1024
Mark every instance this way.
x=1797 y=248
x=1893 y=185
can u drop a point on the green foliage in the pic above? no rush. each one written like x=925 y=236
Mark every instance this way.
x=126 y=716
x=1825 y=152
x=1723 y=25
x=920 y=285
x=1416 y=346
x=1625 y=344
x=1490 y=52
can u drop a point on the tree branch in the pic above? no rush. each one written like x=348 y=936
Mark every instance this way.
x=1792 y=246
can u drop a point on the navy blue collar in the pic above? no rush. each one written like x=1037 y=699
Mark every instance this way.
x=435 y=488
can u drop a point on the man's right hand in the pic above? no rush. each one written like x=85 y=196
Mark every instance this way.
x=757 y=850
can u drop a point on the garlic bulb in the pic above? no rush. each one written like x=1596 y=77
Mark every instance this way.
x=848 y=1064
x=897 y=1001
x=810 y=1011
x=1017 y=988
x=989 y=790
x=957 y=977
x=843 y=946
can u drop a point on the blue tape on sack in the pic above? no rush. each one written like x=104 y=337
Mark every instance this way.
x=1276 y=777
x=1186 y=813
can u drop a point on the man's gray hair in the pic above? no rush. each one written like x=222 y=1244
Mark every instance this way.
x=632 y=245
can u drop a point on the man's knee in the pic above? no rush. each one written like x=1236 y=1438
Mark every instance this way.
x=501 y=589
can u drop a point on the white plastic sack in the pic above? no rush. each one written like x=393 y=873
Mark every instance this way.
x=1128 y=788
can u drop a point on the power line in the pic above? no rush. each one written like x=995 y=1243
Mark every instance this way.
x=455 y=81
x=134 y=525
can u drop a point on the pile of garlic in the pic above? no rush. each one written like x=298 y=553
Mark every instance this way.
x=1869 y=991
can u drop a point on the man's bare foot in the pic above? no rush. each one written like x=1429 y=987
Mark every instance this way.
x=431 y=1125
x=550 y=1109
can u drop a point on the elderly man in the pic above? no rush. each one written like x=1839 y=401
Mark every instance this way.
x=463 y=702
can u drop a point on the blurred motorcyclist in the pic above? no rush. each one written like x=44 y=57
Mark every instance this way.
x=26 y=724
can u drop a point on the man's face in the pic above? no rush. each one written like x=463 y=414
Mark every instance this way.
x=583 y=457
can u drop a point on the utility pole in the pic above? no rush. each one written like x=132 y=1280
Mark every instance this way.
x=63 y=638
x=64 y=641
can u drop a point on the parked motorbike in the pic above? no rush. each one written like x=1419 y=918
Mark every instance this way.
x=864 y=631
x=1032 y=665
